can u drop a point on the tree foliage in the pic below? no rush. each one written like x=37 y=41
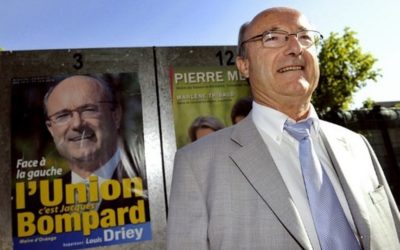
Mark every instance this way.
x=369 y=103
x=344 y=69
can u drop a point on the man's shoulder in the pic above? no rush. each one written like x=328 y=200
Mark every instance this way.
x=226 y=139
x=219 y=137
x=332 y=127
x=334 y=132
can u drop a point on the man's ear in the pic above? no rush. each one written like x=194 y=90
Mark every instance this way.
x=49 y=127
x=243 y=66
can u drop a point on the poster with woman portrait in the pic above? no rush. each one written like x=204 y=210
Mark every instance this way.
x=206 y=99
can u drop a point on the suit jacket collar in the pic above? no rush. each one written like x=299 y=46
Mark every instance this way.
x=255 y=162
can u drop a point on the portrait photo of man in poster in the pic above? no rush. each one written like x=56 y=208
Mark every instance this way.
x=84 y=117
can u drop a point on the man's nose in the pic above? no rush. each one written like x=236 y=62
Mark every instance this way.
x=294 y=47
x=76 y=119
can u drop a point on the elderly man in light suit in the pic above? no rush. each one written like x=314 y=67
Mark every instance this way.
x=244 y=187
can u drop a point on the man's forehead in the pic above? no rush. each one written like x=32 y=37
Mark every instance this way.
x=278 y=19
x=75 y=88
x=79 y=84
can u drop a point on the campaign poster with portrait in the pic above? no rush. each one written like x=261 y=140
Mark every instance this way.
x=78 y=167
x=204 y=94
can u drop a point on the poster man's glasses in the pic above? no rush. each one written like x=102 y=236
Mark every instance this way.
x=86 y=111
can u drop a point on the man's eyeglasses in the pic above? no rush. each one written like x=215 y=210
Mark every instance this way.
x=86 y=111
x=278 y=38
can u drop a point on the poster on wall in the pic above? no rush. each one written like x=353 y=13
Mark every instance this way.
x=78 y=168
x=205 y=97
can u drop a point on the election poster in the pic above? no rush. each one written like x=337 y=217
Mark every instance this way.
x=205 y=95
x=77 y=162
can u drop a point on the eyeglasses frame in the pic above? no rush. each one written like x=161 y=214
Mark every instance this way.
x=49 y=118
x=261 y=36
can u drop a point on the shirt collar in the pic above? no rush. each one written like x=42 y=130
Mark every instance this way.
x=104 y=172
x=271 y=122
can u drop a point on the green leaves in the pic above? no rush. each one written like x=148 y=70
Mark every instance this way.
x=344 y=69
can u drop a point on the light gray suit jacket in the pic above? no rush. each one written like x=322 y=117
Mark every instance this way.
x=227 y=193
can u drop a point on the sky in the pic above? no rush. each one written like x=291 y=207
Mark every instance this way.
x=67 y=24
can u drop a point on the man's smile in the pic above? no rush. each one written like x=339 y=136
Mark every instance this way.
x=290 y=68
x=86 y=135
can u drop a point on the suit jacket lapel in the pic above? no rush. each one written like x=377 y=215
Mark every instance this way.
x=255 y=162
x=344 y=162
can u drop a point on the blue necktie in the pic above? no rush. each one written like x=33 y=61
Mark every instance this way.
x=332 y=227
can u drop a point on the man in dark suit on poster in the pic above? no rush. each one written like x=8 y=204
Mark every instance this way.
x=84 y=117
x=102 y=192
